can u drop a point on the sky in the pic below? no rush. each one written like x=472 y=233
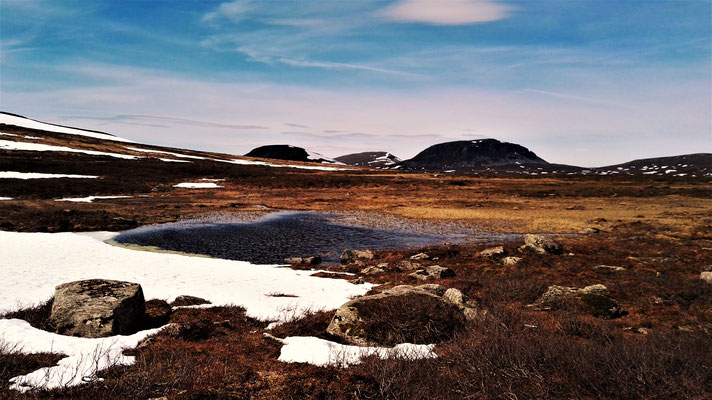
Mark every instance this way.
x=582 y=82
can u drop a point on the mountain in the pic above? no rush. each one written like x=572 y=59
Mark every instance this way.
x=698 y=164
x=472 y=155
x=373 y=159
x=24 y=122
x=289 y=153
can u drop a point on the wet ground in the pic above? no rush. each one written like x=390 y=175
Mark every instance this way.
x=275 y=237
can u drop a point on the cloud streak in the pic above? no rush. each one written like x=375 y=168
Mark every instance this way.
x=446 y=12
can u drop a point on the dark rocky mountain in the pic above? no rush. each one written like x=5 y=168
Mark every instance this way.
x=289 y=153
x=472 y=155
x=373 y=159
x=698 y=164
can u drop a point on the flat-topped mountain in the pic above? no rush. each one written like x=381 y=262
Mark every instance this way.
x=472 y=154
x=373 y=159
x=289 y=153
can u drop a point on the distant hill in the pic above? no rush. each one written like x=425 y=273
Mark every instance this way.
x=471 y=155
x=698 y=164
x=289 y=153
x=373 y=159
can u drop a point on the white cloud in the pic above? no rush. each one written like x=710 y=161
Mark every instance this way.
x=446 y=12
x=233 y=11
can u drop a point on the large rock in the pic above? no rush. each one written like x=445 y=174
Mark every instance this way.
x=594 y=299
x=493 y=252
x=351 y=256
x=432 y=272
x=401 y=314
x=97 y=308
x=541 y=245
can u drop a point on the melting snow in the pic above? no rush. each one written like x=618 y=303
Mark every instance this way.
x=197 y=185
x=31 y=271
x=37 y=175
x=165 y=152
x=22 y=136
x=91 y=199
x=24 y=146
x=312 y=350
x=254 y=162
x=32 y=124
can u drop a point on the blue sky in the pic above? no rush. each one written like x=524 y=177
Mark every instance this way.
x=579 y=82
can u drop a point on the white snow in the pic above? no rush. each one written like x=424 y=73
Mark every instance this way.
x=34 y=263
x=172 y=160
x=312 y=155
x=32 y=124
x=197 y=185
x=90 y=199
x=312 y=350
x=37 y=175
x=254 y=162
x=5 y=198
x=24 y=146
x=165 y=152
x=84 y=356
x=22 y=136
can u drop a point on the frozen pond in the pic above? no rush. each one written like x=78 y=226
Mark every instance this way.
x=277 y=236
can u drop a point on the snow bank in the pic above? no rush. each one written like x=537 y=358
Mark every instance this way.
x=84 y=356
x=5 y=198
x=24 y=146
x=37 y=175
x=254 y=162
x=34 y=263
x=90 y=199
x=197 y=185
x=312 y=350
x=32 y=124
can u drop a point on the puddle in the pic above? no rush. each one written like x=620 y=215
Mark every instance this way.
x=274 y=237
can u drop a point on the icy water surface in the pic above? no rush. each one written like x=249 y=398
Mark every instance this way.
x=275 y=237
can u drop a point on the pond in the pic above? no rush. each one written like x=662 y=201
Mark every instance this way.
x=277 y=236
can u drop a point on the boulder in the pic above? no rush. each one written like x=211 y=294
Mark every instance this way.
x=595 y=299
x=374 y=270
x=97 y=308
x=351 y=256
x=409 y=266
x=403 y=314
x=432 y=272
x=314 y=260
x=493 y=252
x=589 y=231
x=541 y=245
x=469 y=307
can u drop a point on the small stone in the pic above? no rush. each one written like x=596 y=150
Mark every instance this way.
x=420 y=256
x=610 y=268
x=313 y=260
x=185 y=300
x=350 y=256
x=409 y=265
x=541 y=245
x=706 y=276
x=588 y=231
x=439 y=272
x=373 y=270
x=511 y=260
x=493 y=252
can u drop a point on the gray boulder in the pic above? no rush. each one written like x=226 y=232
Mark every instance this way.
x=594 y=299
x=511 y=260
x=97 y=308
x=351 y=256
x=493 y=252
x=541 y=245
x=706 y=276
x=413 y=314
x=432 y=272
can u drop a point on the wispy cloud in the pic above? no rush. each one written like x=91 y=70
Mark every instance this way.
x=342 y=66
x=131 y=119
x=446 y=12
x=233 y=11
x=566 y=96
x=293 y=125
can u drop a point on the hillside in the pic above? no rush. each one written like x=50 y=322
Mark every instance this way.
x=472 y=155
x=289 y=153
x=373 y=159
x=699 y=164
